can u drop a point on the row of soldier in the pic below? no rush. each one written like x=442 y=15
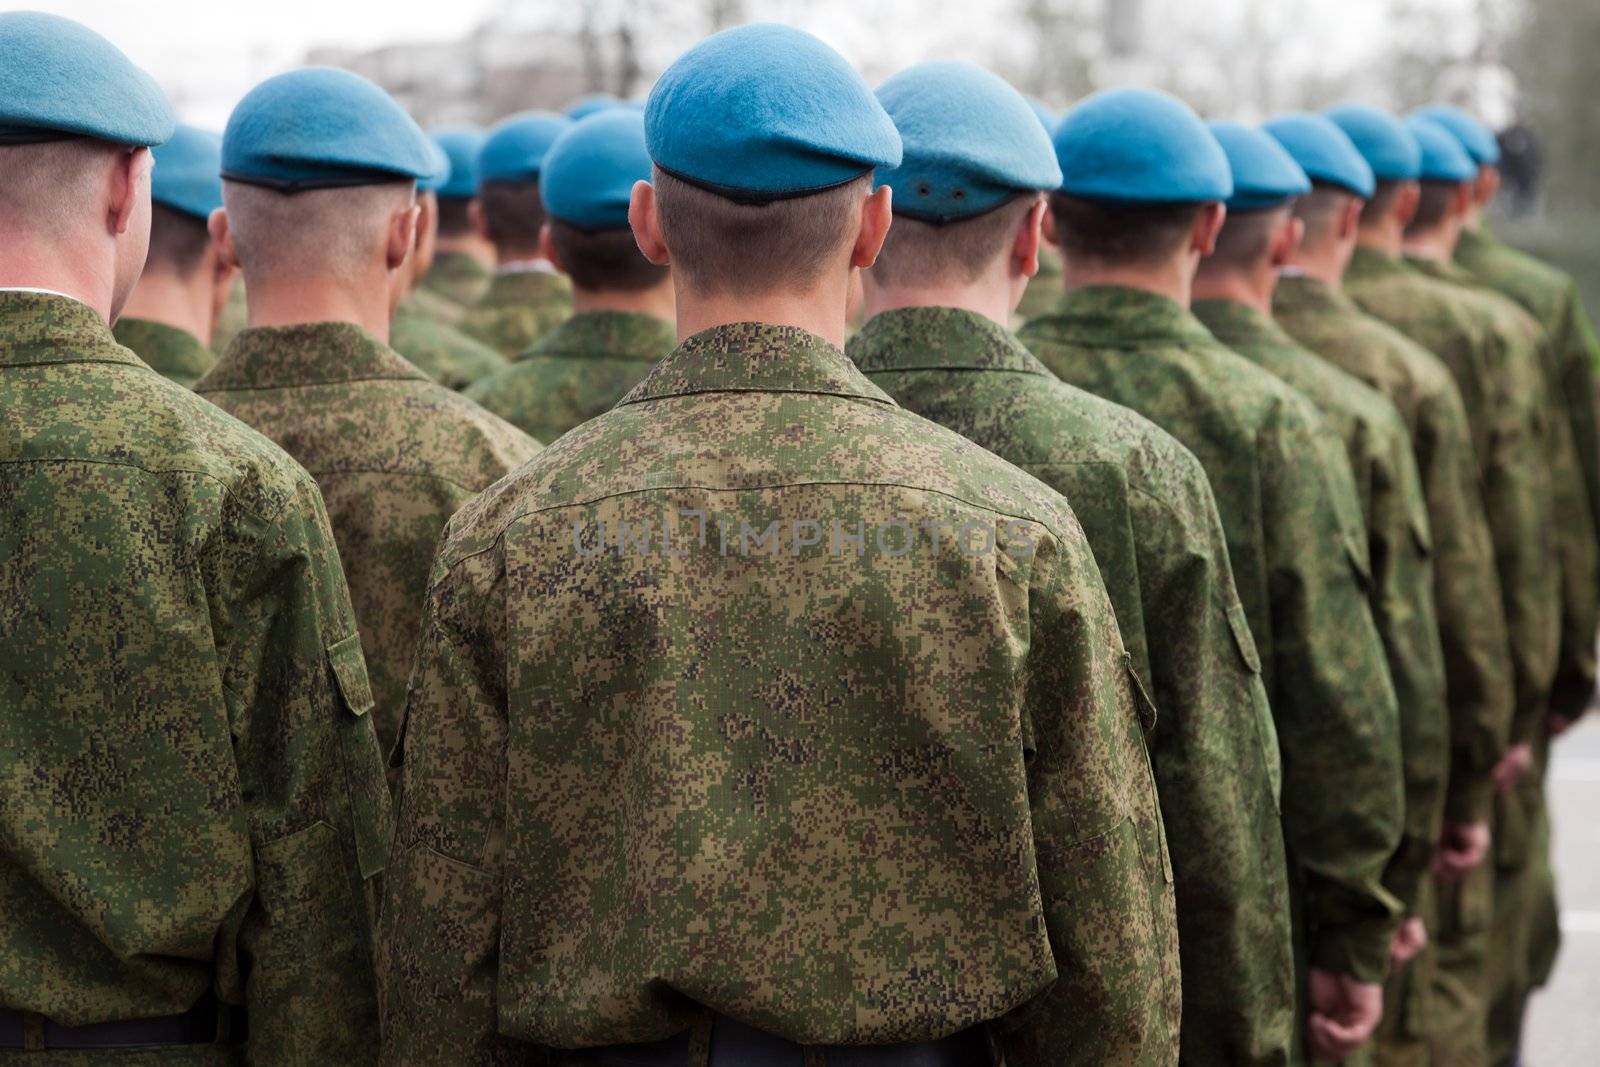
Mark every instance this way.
x=1191 y=706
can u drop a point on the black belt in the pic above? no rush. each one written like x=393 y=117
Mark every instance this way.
x=208 y=1022
x=735 y=1045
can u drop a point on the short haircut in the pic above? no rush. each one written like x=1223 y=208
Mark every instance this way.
x=1107 y=231
x=604 y=260
x=919 y=253
x=1382 y=203
x=322 y=231
x=1433 y=206
x=1245 y=238
x=514 y=215
x=720 y=246
x=1320 y=209
x=178 y=242
x=455 y=216
x=45 y=186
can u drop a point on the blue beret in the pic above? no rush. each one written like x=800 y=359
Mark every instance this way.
x=515 y=148
x=321 y=128
x=1324 y=152
x=590 y=171
x=441 y=170
x=188 y=173
x=591 y=104
x=763 y=112
x=1264 y=174
x=1382 y=140
x=59 y=79
x=461 y=148
x=971 y=142
x=1048 y=117
x=1475 y=136
x=1143 y=147
x=1443 y=157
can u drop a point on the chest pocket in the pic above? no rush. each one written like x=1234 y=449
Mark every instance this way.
x=363 y=764
x=1266 y=729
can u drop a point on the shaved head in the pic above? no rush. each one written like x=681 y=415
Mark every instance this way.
x=51 y=185
x=335 y=233
x=1246 y=239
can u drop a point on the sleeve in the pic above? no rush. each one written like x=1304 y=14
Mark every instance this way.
x=1338 y=725
x=314 y=791
x=1578 y=351
x=1104 y=874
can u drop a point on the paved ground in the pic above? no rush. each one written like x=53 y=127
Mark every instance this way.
x=1564 y=1028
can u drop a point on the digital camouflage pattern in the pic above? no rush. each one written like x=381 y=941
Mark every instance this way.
x=1044 y=288
x=1472 y=626
x=394 y=454
x=459 y=278
x=1377 y=452
x=520 y=307
x=576 y=371
x=191 y=794
x=440 y=350
x=175 y=354
x=1302 y=583
x=1146 y=506
x=843 y=796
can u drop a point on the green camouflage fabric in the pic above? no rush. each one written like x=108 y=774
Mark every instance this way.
x=192 y=798
x=394 y=454
x=233 y=319
x=816 y=715
x=440 y=350
x=1146 y=506
x=459 y=278
x=425 y=301
x=1044 y=288
x=1472 y=625
x=1377 y=448
x=1301 y=579
x=576 y=371
x=520 y=307
x=175 y=354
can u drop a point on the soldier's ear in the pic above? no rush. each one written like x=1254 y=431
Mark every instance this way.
x=222 y=238
x=402 y=236
x=877 y=215
x=1406 y=202
x=130 y=180
x=1487 y=187
x=646 y=223
x=1286 y=241
x=478 y=220
x=1350 y=218
x=548 y=250
x=1025 y=247
x=1207 y=226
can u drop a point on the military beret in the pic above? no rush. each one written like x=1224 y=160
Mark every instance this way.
x=590 y=171
x=764 y=112
x=1324 y=152
x=59 y=79
x=591 y=104
x=1048 y=117
x=1264 y=174
x=971 y=142
x=516 y=147
x=321 y=128
x=1382 y=140
x=461 y=148
x=441 y=171
x=1476 y=137
x=1140 y=146
x=188 y=172
x=1443 y=157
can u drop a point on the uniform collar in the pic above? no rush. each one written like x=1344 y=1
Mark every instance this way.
x=1444 y=271
x=1234 y=323
x=939 y=338
x=166 y=348
x=525 y=287
x=45 y=327
x=754 y=357
x=318 y=353
x=1370 y=263
x=612 y=334
x=1119 y=316
x=1297 y=291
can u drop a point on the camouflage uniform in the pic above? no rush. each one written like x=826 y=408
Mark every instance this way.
x=1322 y=658
x=175 y=354
x=576 y=371
x=426 y=302
x=191 y=794
x=1152 y=524
x=234 y=316
x=394 y=454
x=520 y=307
x=1044 y=288
x=823 y=785
x=458 y=278
x=443 y=352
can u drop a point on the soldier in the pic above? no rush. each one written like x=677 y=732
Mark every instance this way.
x=968 y=211
x=1044 y=288
x=185 y=282
x=463 y=259
x=622 y=303
x=773 y=773
x=321 y=216
x=1141 y=202
x=527 y=298
x=193 y=802
x=1310 y=305
x=1233 y=297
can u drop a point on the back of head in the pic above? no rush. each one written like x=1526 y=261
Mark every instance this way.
x=186 y=187
x=509 y=165
x=586 y=185
x=1445 y=167
x=1266 y=183
x=1389 y=149
x=1337 y=170
x=460 y=187
x=1473 y=135
x=332 y=233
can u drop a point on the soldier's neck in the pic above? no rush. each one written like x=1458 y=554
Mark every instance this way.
x=1252 y=289
x=1437 y=244
x=819 y=311
x=1173 y=280
x=30 y=265
x=163 y=297
x=994 y=301
x=1386 y=237
x=658 y=300
x=303 y=300
x=1325 y=262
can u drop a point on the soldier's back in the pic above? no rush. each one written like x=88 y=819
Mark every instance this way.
x=172 y=353
x=442 y=351
x=519 y=307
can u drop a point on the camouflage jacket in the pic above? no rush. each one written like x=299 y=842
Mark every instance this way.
x=442 y=351
x=815 y=714
x=519 y=308
x=191 y=793
x=427 y=302
x=1503 y=388
x=459 y=278
x=1152 y=524
x=235 y=314
x=175 y=354
x=1472 y=625
x=1301 y=580
x=1378 y=449
x=394 y=454
x=576 y=371
x=1044 y=288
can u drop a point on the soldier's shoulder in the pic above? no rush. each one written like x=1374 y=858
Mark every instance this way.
x=452 y=418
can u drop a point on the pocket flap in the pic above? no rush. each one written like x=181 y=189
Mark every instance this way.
x=1243 y=638
x=350 y=670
